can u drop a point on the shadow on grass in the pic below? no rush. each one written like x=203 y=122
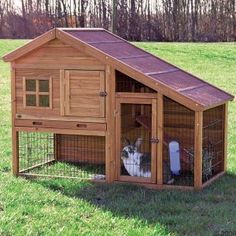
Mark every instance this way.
x=211 y=210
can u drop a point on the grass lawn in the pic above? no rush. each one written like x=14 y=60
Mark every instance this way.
x=71 y=207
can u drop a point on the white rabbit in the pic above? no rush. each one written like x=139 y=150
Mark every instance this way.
x=136 y=163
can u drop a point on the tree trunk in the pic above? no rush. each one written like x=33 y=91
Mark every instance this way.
x=114 y=16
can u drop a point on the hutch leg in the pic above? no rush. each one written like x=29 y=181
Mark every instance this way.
x=198 y=150
x=15 y=152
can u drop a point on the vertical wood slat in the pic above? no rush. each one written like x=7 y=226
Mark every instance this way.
x=154 y=145
x=50 y=92
x=160 y=113
x=37 y=93
x=198 y=150
x=24 y=92
x=225 y=135
x=67 y=92
x=62 y=92
x=15 y=145
x=102 y=89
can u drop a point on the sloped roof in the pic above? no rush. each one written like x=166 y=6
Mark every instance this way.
x=164 y=75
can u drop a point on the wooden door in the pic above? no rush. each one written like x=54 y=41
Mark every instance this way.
x=136 y=128
x=85 y=93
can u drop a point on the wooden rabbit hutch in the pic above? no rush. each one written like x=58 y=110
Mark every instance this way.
x=88 y=104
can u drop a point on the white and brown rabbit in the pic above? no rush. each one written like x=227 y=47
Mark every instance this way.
x=136 y=163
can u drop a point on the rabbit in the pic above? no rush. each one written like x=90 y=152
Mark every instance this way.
x=136 y=163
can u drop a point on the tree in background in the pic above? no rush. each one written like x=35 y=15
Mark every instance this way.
x=160 y=20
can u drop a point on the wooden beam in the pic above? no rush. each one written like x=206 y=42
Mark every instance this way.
x=160 y=138
x=134 y=100
x=113 y=124
x=225 y=135
x=62 y=131
x=198 y=150
x=136 y=95
x=110 y=134
x=60 y=66
x=135 y=179
x=38 y=165
x=64 y=118
x=154 y=145
x=213 y=179
x=118 y=138
x=35 y=43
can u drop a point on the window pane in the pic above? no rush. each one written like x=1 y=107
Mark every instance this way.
x=30 y=100
x=44 y=100
x=30 y=85
x=43 y=85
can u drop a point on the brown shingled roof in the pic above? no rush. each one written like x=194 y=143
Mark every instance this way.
x=155 y=68
x=158 y=74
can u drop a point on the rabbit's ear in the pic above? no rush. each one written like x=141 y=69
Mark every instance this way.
x=126 y=142
x=138 y=142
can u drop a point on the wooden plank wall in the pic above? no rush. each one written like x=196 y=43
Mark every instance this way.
x=51 y=60
x=57 y=55
x=80 y=149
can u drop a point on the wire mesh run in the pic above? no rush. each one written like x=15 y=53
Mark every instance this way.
x=178 y=148
x=213 y=142
x=48 y=154
x=135 y=140
x=124 y=83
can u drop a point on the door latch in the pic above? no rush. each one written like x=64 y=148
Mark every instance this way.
x=154 y=140
x=103 y=94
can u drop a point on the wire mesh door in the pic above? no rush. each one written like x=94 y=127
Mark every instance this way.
x=136 y=131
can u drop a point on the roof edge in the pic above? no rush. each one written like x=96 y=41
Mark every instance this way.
x=81 y=29
x=28 y=47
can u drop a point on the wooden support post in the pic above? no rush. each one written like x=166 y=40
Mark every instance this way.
x=110 y=118
x=15 y=144
x=225 y=135
x=154 y=145
x=160 y=137
x=198 y=150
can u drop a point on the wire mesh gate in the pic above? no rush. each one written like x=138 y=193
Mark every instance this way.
x=60 y=155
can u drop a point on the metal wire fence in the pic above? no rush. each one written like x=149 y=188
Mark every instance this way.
x=57 y=155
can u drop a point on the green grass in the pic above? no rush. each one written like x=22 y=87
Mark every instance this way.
x=71 y=207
